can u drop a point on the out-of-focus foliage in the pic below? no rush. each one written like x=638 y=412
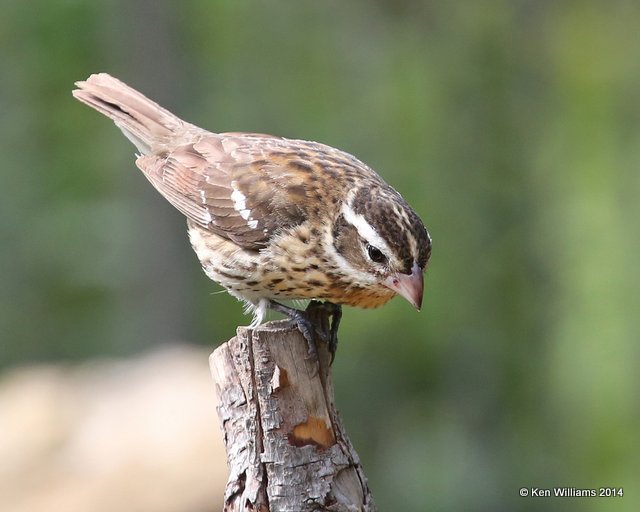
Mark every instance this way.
x=512 y=127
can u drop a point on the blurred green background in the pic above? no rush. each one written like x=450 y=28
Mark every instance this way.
x=513 y=128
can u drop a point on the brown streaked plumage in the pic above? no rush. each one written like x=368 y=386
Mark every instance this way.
x=273 y=218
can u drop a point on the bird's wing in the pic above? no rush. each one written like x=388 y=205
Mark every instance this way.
x=244 y=187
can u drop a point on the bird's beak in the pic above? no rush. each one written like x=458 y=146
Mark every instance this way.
x=409 y=286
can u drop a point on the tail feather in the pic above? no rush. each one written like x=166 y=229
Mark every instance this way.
x=145 y=123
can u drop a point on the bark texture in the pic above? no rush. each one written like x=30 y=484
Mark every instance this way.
x=286 y=446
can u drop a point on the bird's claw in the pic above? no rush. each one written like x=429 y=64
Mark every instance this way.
x=321 y=311
x=314 y=324
x=309 y=332
x=330 y=334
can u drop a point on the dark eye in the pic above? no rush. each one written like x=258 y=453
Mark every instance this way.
x=375 y=254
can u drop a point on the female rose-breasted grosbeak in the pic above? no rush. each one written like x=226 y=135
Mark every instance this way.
x=273 y=218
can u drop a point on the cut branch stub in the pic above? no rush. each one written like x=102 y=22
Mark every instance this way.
x=286 y=446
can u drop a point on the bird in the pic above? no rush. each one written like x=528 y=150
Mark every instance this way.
x=273 y=219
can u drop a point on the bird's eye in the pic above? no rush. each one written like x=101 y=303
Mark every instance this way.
x=375 y=254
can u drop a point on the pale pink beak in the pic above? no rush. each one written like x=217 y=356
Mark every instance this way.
x=409 y=286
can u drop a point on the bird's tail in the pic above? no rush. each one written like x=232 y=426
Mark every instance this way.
x=145 y=123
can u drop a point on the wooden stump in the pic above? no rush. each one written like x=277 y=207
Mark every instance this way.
x=286 y=446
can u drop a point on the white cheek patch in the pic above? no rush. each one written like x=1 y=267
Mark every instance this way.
x=240 y=205
x=365 y=230
x=344 y=266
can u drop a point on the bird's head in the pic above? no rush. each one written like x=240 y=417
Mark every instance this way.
x=383 y=242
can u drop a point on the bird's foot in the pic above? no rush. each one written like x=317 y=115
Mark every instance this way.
x=322 y=311
x=314 y=323
x=303 y=322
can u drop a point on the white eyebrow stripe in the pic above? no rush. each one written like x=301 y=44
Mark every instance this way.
x=365 y=229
